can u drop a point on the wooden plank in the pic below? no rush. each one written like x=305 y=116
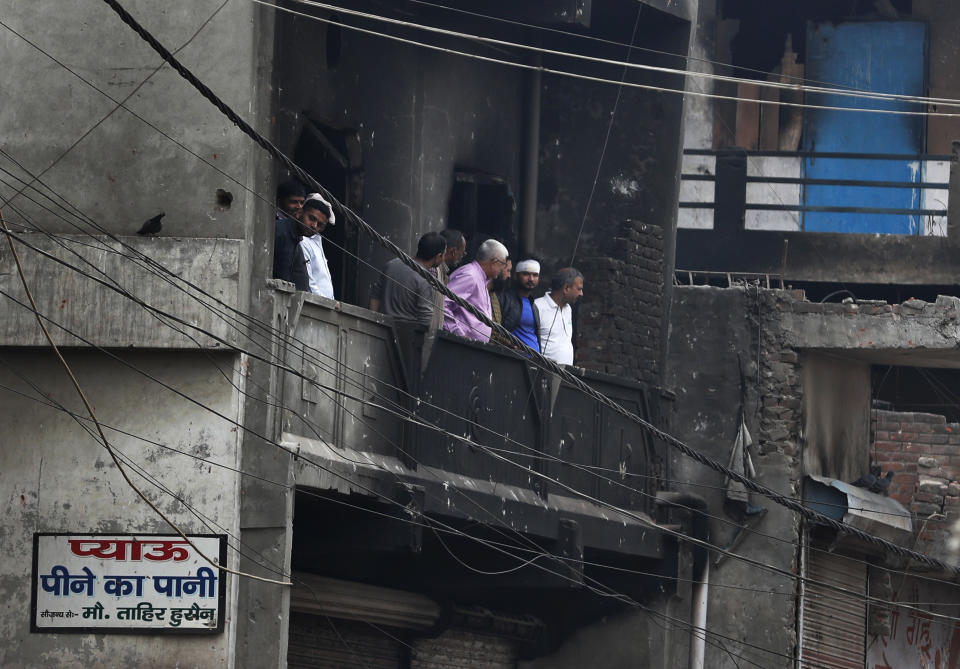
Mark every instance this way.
x=748 y=116
x=770 y=117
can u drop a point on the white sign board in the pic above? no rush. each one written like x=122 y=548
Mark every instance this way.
x=127 y=583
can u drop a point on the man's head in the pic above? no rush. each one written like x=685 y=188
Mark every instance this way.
x=492 y=257
x=456 y=247
x=526 y=275
x=290 y=195
x=504 y=274
x=430 y=249
x=317 y=213
x=566 y=286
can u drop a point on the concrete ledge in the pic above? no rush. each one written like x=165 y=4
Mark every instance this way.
x=823 y=256
x=104 y=316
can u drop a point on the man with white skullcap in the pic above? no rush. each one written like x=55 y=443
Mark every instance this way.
x=315 y=216
x=517 y=311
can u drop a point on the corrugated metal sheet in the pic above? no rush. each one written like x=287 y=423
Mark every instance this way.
x=833 y=626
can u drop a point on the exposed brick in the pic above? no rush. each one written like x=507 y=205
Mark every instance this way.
x=925 y=509
x=928 y=418
x=919 y=428
x=928 y=497
x=888 y=446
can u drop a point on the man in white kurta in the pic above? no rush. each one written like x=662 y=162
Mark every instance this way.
x=316 y=215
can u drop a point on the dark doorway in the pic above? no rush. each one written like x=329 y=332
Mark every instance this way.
x=332 y=157
x=482 y=206
x=919 y=389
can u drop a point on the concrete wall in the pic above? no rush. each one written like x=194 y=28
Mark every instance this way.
x=123 y=171
x=81 y=282
x=714 y=337
x=54 y=477
x=636 y=176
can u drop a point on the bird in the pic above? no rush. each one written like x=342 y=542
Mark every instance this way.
x=882 y=486
x=152 y=226
x=868 y=481
x=874 y=482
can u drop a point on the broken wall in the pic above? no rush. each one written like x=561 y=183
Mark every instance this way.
x=923 y=452
x=618 y=330
x=719 y=337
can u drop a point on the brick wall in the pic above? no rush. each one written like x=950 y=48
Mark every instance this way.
x=781 y=388
x=923 y=451
x=456 y=648
x=618 y=331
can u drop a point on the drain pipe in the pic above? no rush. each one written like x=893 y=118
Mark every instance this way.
x=698 y=639
x=695 y=506
x=531 y=167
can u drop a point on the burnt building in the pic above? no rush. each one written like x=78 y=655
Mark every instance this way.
x=799 y=180
x=814 y=305
x=448 y=504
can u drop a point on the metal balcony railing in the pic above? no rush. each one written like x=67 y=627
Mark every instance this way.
x=773 y=190
x=383 y=391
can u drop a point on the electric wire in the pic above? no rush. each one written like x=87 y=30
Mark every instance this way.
x=708 y=632
x=638 y=66
x=62 y=242
x=423 y=423
x=118 y=105
x=106 y=443
x=728 y=521
x=680 y=536
x=547 y=364
x=434 y=529
x=583 y=77
x=731 y=523
x=618 y=596
x=601 y=40
x=48 y=402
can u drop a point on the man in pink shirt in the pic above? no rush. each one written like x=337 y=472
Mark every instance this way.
x=470 y=283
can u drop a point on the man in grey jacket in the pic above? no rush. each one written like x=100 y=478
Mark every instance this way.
x=406 y=295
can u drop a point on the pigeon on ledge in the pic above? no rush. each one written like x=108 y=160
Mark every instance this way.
x=152 y=226
x=874 y=482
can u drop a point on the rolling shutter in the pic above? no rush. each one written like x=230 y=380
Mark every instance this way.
x=833 y=624
x=318 y=642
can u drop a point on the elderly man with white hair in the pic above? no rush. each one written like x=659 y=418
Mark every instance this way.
x=470 y=283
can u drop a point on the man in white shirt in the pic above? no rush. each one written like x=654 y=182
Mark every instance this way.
x=315 y=215
x=556 y=316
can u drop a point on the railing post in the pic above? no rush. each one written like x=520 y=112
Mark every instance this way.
x=730 y=196
x=953 y=199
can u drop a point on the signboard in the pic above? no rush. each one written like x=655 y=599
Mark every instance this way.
x=127 y=583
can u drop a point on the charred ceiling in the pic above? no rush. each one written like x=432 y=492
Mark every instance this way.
x=765 y=26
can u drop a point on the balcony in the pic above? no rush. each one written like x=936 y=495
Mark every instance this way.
x=383 y=413
x=820 y=217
